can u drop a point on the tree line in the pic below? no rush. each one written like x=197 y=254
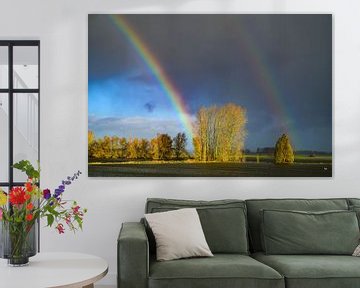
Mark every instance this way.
x=219 y=135
x=161 y=147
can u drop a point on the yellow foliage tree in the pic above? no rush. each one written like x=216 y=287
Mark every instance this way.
x=284 y=153
x=220 y=133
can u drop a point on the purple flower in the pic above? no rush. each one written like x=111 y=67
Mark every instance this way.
x=58 y=192
x=68 y=181
x=46 y=194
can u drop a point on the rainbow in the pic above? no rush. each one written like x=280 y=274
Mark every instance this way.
x=154 y=65
x=262 y=72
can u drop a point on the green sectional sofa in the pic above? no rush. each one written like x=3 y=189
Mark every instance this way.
x=246 y=253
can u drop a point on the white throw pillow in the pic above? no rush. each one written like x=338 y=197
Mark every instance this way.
x=357 y=251
x=178 y=234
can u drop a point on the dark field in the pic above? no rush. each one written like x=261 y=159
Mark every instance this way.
x=183 y=169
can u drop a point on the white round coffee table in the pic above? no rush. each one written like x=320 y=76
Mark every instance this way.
x=45 y=270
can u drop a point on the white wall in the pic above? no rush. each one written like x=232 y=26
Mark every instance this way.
x=62 y=28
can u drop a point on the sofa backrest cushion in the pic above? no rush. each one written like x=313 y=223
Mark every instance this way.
x=256 y=205
x=298 y=232
x=354 y=205
x=353 y=202
x=223 y=221
x=356 y=209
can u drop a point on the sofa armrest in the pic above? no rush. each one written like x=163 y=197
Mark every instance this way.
x=133 y=256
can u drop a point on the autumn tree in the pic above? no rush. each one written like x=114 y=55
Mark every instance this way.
x=154 y=148
x=138 y=149
x=107 y=147
x=97 y=149
x=220 y=133
x=284 y=153
x=203 y=119
x=122 y=148
x=91 y=140
x=179 y=146
x=144 y=149
x=161 y=147
x=91 y=137
x=165 y=146
x=229 y=134
x=197 y=148
x=133 y=148
x=115 y=147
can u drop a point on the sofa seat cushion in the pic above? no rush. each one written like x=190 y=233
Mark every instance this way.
x=222 y=270
x=313 y=271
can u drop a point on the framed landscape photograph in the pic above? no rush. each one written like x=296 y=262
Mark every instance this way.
x=233 y=95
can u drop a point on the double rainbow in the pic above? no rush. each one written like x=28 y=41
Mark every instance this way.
x=257 y=62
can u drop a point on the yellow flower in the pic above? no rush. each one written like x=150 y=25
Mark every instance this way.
x=3 y=198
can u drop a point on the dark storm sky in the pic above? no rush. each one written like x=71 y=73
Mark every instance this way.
x=279 y=67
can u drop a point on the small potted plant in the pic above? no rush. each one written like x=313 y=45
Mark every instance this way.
x=21 y=208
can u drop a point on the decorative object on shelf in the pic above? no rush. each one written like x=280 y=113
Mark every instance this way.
x=21 y=208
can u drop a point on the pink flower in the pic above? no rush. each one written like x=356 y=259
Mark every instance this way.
x=68 y=219
x=60 y=228
x=76 y=210
x=1 y=212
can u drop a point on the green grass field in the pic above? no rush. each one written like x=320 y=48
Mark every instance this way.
x=301 y=168
x=298 y=158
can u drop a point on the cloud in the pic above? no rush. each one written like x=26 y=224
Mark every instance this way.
x=129 y=127
x=149 y=106
x=141 y=76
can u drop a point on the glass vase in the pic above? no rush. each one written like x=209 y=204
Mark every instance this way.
x=18 y=242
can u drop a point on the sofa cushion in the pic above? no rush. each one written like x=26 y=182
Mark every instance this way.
x=356 y=209
x=313 y=271
x=223 y=221
x=222 y=270
x=353 y=201
x=354 y=205
x=178 y=234
x=297 y=232
x=254 y=206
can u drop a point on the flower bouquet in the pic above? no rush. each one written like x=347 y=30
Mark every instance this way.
x=21 y=208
